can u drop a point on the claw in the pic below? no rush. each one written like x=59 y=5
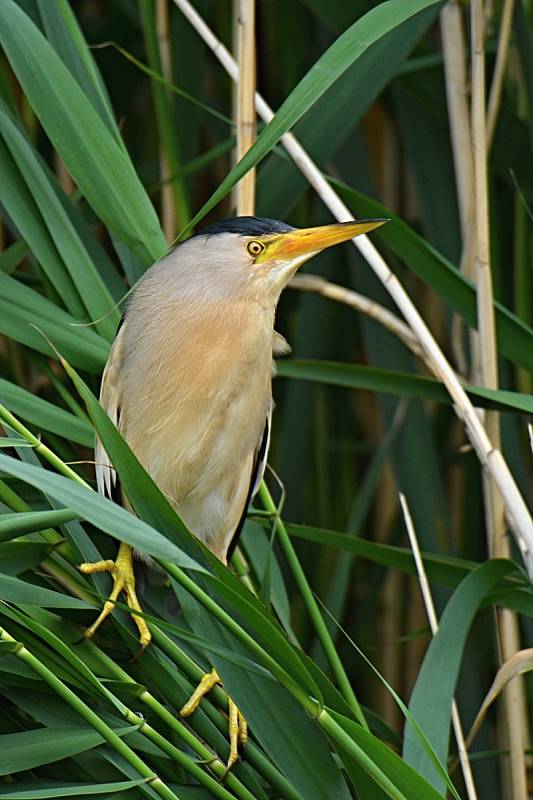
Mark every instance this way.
x=123 y=576
x=238 y=733
x=237 y=725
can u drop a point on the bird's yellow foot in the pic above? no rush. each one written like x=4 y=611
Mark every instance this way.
x=121 y=571
x=237 y=725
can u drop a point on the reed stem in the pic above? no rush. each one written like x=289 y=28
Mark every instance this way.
x=313 y=610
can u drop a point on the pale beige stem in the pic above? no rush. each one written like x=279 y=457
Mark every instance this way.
x=488 y=364
x=454 y=50
x=490 y=457
x=168 y=203
x=514 y=707
x=485 y=302
x=467 y=267
x=314 y=283
x=519 y=663
x=245 y=122
x=245 y=101
x=434 y=624
x=496 y=88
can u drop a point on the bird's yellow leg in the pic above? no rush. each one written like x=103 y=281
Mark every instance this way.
x=209 y=680
x=121 y=570
x=237 y=725
x=238 y=732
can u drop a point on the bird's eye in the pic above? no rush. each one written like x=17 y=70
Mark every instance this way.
x=255 y=248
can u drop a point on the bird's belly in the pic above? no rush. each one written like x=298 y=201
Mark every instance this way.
x=201 y=454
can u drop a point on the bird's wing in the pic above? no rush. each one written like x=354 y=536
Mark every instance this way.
x=260 y=461
x=110 y=399
x=258 y=470
x=280 y=347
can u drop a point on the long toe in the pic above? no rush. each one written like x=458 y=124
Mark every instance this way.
x=238 y=732
x=209 y=680
x=118 y=585
x=123 y=576
x=237 y=725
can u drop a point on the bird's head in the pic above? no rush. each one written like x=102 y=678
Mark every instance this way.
x=259 y=256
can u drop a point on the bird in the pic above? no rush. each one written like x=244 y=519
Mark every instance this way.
x=188 y=383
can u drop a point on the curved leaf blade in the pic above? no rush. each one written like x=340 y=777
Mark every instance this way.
x=431 y=700
x=344 y=52
x=97 y=163
x=100 y=511
x=29 y=749
x=45 y=415
x=404 y=384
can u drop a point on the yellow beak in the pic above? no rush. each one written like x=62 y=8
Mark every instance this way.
x=292 y=245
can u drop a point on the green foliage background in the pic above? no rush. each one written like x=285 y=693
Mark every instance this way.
x=81 y=131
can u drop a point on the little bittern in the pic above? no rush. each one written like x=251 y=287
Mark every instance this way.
x=188 y=384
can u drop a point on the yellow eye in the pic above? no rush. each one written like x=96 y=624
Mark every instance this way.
x=255 y=248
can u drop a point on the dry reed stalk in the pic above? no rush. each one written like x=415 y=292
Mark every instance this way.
x=245 y=123
x=454 y=49
x=168 y=202
x=361 y=303
x=496 y=88
x=434 y=624
x=514 y=714
x=488 y=362
x=244 y=20
x=521 y=662
x=490 y=457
